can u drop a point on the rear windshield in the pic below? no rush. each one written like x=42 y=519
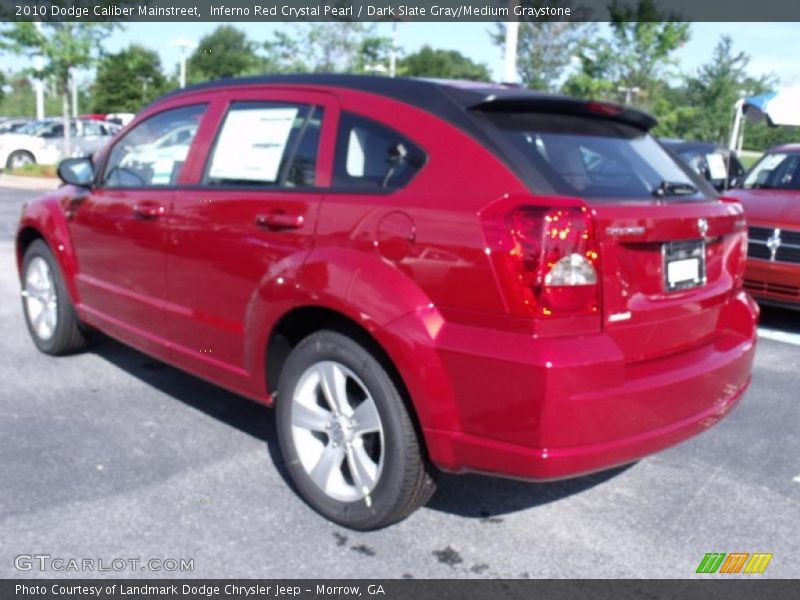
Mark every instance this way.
x=594 y=157
x=776 y=171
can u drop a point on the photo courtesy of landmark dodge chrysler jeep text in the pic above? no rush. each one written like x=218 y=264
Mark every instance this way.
x=419 y=275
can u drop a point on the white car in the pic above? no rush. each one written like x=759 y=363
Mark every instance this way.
x=41 y=142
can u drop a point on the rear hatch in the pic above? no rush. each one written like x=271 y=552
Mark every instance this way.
x=667 y=272
x=670 y=253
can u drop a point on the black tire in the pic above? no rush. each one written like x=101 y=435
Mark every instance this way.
x=17 y=155
x=405 y=481
x=68 y=335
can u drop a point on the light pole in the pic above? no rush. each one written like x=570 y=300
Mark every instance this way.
x=145 y=80
x=393 y=54
x=38 y=64
x=512 y=38
x=74 y=84
x=630 y=92
x=184 y=45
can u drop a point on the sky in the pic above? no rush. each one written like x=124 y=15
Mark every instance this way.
x=773 y=47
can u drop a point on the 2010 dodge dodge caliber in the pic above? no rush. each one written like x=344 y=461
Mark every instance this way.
x=417 y=274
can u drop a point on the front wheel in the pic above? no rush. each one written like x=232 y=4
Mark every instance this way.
x=347 y=437
x=49 y=314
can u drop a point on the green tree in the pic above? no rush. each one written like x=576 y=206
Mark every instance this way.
x=342 y=47
x=446 y=64
x=594 y=79
x=715 y=87
x=374 y=55
x=225 y=52
x=631 y=66
x=283 y=54
x=644 y=40
x=64 y=46
x=128 y=80
x=20 y=101
x=3 y=84
x=545 y=50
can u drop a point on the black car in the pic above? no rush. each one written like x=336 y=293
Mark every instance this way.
x=716 y=163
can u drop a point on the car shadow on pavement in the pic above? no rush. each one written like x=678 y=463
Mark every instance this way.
x=463 y=495
x=247 y=416
x=488 y=498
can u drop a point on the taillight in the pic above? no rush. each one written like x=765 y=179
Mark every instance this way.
x=545 y=258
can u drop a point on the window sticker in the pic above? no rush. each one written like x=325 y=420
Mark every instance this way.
x=252 y=143
x=716 y=166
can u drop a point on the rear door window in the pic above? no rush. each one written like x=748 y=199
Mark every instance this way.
x=266 y=144
x=593 y=157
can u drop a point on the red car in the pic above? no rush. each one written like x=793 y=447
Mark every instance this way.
x=419 y=275
x=771 y=196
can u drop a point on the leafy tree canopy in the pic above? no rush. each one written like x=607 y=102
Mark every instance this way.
x=128 y=80
x=446 y=64
x=225 y=52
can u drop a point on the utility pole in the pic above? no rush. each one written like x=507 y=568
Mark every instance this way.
x=74 y=85
x=38 y=83
x=512 y=37
x=184 y=45
x=393 y=54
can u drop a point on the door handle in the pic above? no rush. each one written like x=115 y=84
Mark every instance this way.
x=280 y=220
x=148 y=210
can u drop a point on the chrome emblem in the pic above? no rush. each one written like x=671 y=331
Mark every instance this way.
x=702 y=227
x=773 y=243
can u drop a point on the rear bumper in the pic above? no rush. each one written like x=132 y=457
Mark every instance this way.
x=569 y=407
x=773 y=282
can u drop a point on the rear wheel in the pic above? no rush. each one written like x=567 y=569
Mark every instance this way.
x=49 y=314
x=347 y=437
x=19 y=159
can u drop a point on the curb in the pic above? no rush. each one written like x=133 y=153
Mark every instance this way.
x=29 y=183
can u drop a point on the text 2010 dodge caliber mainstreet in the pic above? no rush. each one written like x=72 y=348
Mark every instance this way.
x=419 y=275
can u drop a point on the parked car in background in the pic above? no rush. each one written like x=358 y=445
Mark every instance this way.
x=417 y=274
x=771 y=198
x=93 y=117
x=12 y=124
x=714 y=162
x=42 y=142
x=120 y=118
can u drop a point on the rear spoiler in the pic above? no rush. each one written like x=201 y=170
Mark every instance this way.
x=516 y=100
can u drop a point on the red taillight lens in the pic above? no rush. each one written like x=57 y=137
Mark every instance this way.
x=545 y=259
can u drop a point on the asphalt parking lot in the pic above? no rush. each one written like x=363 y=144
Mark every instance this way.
x=110 y=454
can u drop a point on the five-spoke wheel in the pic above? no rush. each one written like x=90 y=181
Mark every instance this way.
x=347 y=435
x=51 y=319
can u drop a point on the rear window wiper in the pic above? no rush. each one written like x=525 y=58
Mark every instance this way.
x=674 y=188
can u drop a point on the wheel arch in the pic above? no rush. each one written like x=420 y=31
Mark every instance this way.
x=300 y=322
x=43 y=219
x=27 y=151
x=406 y=349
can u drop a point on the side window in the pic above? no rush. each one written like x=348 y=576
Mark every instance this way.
x=266 y=144
x=372 y=156
x=92 y=129
x=151 y=154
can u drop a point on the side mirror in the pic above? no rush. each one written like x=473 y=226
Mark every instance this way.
x=77 y=171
